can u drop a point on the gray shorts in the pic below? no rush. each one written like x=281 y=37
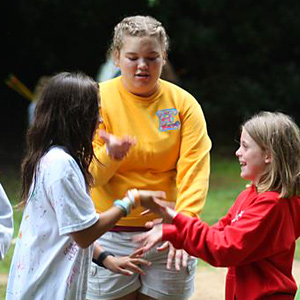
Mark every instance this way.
x=158 y=283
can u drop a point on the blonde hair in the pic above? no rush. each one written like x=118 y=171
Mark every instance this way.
x=139 y=26
x=279 y=135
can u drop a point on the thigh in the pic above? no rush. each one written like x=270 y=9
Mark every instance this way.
x=144 y=297
x=163 y=284
x=106 y=285
x=131 y=296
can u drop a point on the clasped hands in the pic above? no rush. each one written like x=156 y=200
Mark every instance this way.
x=154 y=201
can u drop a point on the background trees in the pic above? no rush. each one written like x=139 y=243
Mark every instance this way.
x=236 y=57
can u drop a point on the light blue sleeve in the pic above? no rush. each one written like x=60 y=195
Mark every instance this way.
x=6 y=223
x=73 y=206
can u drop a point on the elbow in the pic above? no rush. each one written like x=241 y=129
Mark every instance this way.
x=82 y=239
x=83 y=244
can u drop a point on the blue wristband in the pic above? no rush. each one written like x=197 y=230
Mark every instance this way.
x=124 y=206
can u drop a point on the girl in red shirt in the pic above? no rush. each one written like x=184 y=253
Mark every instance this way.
x=256 y=238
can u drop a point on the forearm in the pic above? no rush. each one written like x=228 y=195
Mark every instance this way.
x=97 y=250
x=185 y=233
x=106 y=221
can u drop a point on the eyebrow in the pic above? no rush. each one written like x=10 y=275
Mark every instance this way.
x=134 y=53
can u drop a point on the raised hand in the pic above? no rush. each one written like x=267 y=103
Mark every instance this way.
x=117 y=147
x=126 y=265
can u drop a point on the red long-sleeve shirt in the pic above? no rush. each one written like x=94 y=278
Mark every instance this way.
x=255 y=240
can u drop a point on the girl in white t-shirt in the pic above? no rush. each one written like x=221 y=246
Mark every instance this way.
x=59 y=225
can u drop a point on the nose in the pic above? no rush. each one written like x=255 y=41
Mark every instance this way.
x=238 y=152
x=142 y=64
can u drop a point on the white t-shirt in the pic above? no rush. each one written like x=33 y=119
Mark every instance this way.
x=6 y=223
x=47 y=263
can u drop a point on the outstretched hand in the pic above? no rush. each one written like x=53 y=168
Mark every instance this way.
x=126 y=265
x=117 y=147
x=179 y=256
x=149 y=239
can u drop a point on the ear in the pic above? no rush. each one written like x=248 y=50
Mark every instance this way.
x=268 y=157
x=116 y=58
x=164 y=56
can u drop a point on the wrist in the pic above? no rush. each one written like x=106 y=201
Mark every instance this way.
x=102 y=256
x=125 y=205
x=171 y=213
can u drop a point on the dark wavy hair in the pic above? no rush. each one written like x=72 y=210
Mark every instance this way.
x=67 y=114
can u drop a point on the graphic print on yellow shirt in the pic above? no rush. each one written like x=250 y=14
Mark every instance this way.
x=167 y=119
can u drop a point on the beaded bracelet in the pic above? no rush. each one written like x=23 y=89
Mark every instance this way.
x=124 y=205
x=101 y=258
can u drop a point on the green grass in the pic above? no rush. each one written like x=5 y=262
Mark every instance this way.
x=11 y=182
x=225 y=185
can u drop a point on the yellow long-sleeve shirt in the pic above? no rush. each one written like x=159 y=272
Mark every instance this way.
x=171 y=154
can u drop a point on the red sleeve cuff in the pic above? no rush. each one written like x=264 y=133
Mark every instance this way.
x=181 y=220
x=169 y=233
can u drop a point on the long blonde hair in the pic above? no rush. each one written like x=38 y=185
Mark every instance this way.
x=279 y=135
x=138 y=26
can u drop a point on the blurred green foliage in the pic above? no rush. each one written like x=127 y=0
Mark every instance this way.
x=236 y=57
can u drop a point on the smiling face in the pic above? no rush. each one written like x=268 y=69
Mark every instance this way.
x=141 y=60
x=252 y=158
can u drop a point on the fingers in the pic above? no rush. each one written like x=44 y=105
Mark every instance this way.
x=117 y=147
x=171 y=256
x=145 y=212
x=151 y=224
x=160 y=195
x=128 y=140
x=163 y=247
x=104 y=135
x=178 y=259
x=140 y=261
x=125 y=272
x=136 y=254
x=130 y=266
x=165 y=203
x=185 y=258
x=136 y=269
x=142 y=242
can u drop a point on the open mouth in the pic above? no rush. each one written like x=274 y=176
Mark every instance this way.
x=142 y=75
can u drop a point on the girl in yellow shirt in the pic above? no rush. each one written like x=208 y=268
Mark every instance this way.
x=170 y=153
